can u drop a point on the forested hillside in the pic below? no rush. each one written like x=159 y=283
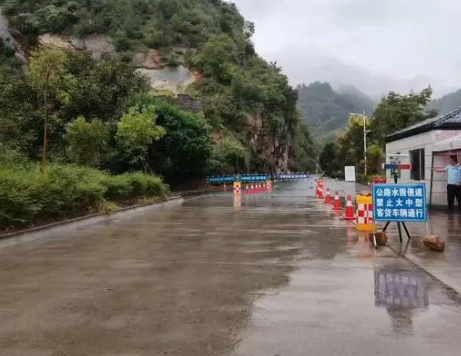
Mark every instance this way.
x=326 y=111
x=446 y=103
x=84 y=129
x=249 y=109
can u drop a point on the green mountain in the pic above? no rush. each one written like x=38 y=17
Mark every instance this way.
x=446 y=103
x=204 y=45
x=326 y=111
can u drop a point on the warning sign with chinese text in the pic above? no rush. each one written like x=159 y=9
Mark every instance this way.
x=399 y=202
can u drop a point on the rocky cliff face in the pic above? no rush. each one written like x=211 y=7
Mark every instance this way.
x=274 y=151
x=3 y=25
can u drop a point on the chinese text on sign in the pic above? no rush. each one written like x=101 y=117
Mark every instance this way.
x=399 y=202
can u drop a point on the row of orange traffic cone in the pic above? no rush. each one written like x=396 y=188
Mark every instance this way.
x=349 y=212
x=257 y=188
x=254 y=188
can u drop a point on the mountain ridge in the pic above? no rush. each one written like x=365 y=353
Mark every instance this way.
x=326 y=111
x=446 y=103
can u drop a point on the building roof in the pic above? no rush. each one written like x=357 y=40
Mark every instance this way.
x=450 y=121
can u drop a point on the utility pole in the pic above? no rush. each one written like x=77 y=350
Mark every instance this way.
x=365 y=140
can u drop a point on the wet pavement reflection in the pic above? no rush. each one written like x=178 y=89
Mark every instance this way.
x=445 y=266
x=267 y=274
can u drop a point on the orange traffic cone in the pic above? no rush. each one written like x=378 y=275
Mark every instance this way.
x=319 y=193
x=349 y=215
x=328 y=197
x=337 y=205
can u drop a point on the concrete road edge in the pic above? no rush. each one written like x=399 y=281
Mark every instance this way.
x=447 y=281
x=20 y=237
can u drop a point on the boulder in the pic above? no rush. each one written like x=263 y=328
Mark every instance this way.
x=435 y=243
x=381 y=238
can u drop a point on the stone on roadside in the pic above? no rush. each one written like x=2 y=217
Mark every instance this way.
x=434 y=242
x=381 y=238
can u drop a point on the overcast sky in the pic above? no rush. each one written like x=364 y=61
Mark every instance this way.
x=377 y=43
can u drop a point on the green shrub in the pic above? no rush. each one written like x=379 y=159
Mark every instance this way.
x=18 y=205
x=71 y=191
x=135 y=186
x=68 y=191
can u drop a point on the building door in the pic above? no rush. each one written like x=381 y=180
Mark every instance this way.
x=417 y=164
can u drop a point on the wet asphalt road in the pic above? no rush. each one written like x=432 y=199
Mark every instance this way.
x=266 y=275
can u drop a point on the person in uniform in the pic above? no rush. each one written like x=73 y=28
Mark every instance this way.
x=453 y=183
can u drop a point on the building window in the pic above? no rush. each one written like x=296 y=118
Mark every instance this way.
x=417 y=164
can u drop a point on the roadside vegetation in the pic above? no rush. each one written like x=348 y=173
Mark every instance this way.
x=28 y=198
x=393 y=113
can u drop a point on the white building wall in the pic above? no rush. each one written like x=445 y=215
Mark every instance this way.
x=425 y=140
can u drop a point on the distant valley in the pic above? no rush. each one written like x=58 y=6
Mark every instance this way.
x=325 y=109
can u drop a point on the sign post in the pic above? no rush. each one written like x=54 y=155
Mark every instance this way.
x=400 y=203
x=349 y=173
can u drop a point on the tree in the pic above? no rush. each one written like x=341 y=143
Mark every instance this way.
x=217 y=58
x=351 y=145
x=328 y=159
x=136 y=131
x=397 y=111
x=87 y=142
x=184 y=152
x=101 y=87
x=231 y=156
x=48 y=76
x=374 y=159
x=20 y=126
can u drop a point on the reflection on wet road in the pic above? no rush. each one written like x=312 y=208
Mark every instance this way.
x=269 y=274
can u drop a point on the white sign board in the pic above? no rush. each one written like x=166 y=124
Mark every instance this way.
x=349 y=174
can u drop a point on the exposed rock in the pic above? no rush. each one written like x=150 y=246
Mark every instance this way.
x=3 y=26
x=381 y=238
x=168 y=78
x=435 y=243
x=185 y=102
x=96 y=44
x=188 y=103
x=149 y=60
x=272 y=152
x=55 y=41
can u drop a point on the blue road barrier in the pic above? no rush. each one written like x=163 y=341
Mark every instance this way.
x=254 y=178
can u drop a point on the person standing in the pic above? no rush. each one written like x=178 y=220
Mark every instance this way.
x=453 y=183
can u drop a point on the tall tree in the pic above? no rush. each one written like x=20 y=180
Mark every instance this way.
x=328 y=159
x=397 y=111
x=136 y=131
x=351 y=142
x=48 y=77
x=87 y=142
